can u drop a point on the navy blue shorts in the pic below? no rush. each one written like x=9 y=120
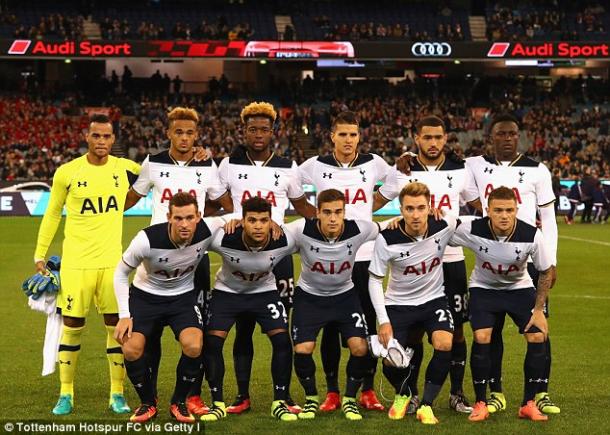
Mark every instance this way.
x=456 y=290
x=311 y=313
x=487 y=305
x=434 y=315
x=265 y=308
x=151 y=313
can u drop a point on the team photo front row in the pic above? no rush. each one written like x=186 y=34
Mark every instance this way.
x=409 y=252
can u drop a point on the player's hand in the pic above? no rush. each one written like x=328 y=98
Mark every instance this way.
x=385 y=333
x=124 y=327
x=394 y=223
x=41 y=267
x=276 y=231
x=539 y=321
x=405 y=162
x=437 y=213
x=232 y=225
x=553 y=276
x=200 y=154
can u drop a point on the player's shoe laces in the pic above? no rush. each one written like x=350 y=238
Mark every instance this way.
x=331 y=403
x=196 y=406
x=241 y=404
x=531 y=412
x=312 y=404
x=292 y=406
x=144 y=413
x=459 y=403
x=544 y=404
x=216 y=412
x=480 y=412
x=118 y=404
x=280 y=411
x=413 y=405
x=350 y=409
x=425 y=415
x=368 y=400
x=399 y=407
x=64 y=405
x=496 y=402
x=180 y=412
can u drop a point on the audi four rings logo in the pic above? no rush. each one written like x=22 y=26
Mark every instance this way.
x=431 y=49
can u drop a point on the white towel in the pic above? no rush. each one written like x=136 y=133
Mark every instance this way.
x=50 y=349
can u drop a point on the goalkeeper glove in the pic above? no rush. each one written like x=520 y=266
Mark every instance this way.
x=35 y=285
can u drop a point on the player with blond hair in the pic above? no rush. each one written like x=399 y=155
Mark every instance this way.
x=255 y=170
x=167 y=173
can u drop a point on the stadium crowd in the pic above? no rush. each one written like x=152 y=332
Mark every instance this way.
x=378 y=31
x=56 y=25
x=567 y=128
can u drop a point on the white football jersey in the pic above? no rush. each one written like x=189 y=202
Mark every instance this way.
x=167 y=177
x=326 y=266
x=447 y=184
x=502 y=264
x=244 y=270
x=529 y=179
x=276 y=180
x=356 y=179
x=416 y=268
x=164 y=268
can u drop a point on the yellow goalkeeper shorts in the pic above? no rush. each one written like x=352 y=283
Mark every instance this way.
x=80 y=286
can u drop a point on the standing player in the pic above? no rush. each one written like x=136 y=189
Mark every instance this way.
x=415 y=296
x=356 y=175
x=500 y=284
x=325 y=294
x=446 y=178
x=531 y=182
x=93 y=188
x=163 y=293
x=168 y=173
x=245 y=287
x=574 y=196
x=257 y=171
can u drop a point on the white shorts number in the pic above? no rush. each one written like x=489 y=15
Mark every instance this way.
x=275 y=311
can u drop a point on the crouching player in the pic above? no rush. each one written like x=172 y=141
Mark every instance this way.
x=325 y=295
x=166 y=256
x=500 y=285
x=415 y=297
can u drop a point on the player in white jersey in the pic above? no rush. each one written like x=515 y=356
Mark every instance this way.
x=500 y=284
x=254 y=170
x=531 y=182
x=245 y=286
x=356 y=175
x=325 y=294
x=163 y=293
x=415 y=296
x=167 y=173
x=446 y=177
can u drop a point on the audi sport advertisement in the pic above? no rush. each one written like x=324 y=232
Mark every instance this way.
x=286 y=50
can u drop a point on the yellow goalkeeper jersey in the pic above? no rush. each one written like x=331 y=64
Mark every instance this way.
x=94 y=197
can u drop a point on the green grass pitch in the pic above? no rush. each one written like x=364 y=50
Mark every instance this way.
x=579 y=325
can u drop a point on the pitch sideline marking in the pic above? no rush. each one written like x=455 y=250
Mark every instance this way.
x=578 y=239
x=581 y=296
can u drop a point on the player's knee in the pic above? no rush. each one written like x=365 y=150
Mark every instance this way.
x=111 y=319
x=280 y=341
x=482 y=336
x=536 y=337
x=305 y=348
x=442 y=340
x=74 y=322
x=358 y=346
x=132 y=351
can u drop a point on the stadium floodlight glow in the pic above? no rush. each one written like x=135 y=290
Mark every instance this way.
x=521 y=62
x=263 y=62
x=431 y=49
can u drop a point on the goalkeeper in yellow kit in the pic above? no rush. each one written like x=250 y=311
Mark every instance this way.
x=93 y=188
